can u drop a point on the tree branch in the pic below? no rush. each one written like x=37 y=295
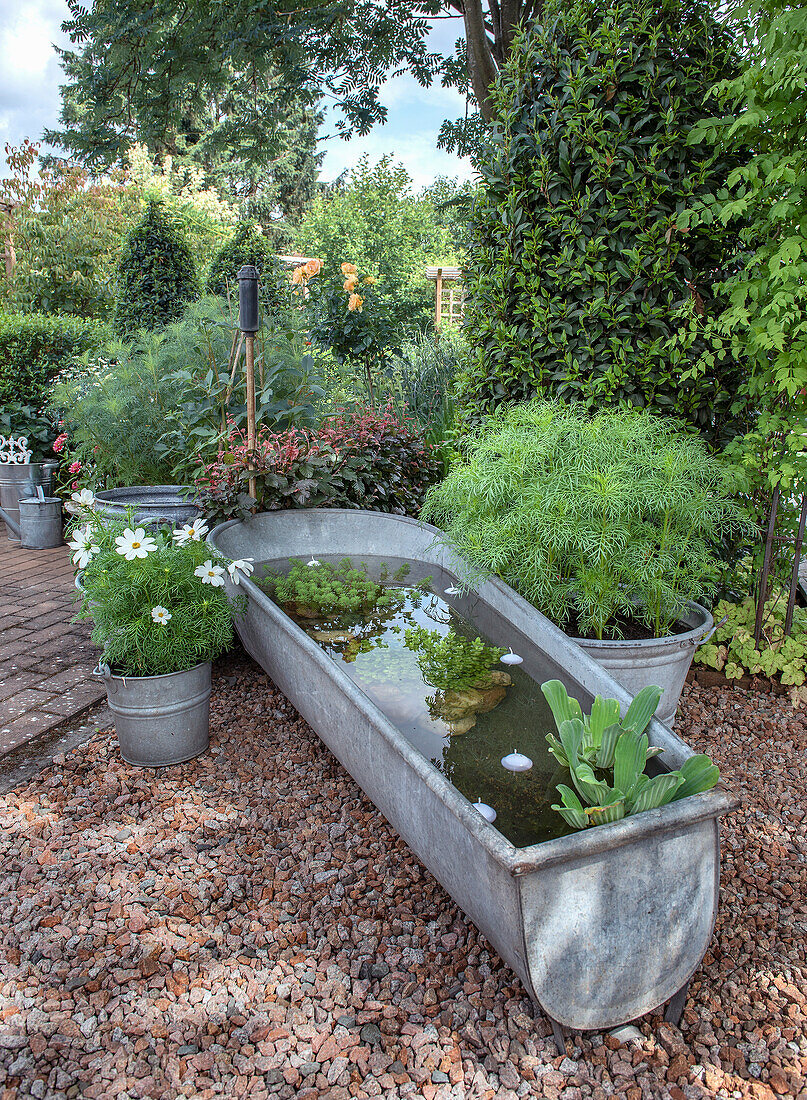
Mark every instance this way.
x=482 y=67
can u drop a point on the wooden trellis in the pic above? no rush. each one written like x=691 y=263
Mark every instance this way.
x=449 y=297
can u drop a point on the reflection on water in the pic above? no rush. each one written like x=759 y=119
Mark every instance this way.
x=370 y=650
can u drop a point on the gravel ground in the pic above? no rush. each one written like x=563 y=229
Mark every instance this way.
x=249 y=925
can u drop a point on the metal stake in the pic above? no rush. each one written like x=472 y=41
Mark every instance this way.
x=794 y=576
x=762 y=594
x=249 y=369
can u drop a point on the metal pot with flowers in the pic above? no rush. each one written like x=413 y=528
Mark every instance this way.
x=161 y=615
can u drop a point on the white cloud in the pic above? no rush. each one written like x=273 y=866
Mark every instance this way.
x=29 y=67
x=417 y=151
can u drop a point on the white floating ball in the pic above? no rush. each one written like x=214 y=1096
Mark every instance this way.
x=486 y=811
x=516 y=762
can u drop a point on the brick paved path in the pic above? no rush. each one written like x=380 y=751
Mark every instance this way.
x=45 y=659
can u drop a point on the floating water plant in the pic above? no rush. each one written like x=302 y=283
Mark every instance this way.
x=451 y=661
x=619 y=749
x=318 y=590
x=461 y=669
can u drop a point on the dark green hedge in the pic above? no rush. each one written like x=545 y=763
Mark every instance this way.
x=35 y=347
x=580 y=284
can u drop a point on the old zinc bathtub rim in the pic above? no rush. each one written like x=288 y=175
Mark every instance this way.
x=675 y=817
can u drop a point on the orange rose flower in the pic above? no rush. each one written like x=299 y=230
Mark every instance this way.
x=350 y=283
x=313 y=267
x=348 y=269
x=355 y=302
x=298 y=276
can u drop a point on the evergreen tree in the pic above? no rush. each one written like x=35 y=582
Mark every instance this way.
x=156 y=274
x=581 y=283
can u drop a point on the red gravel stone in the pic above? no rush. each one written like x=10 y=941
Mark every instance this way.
x=249 y=925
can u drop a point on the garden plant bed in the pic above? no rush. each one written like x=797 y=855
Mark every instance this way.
x=248 y=924
x=711 y=677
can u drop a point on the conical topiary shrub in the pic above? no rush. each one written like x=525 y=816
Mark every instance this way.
x=156 y=274
x=248 y=245
x=580 y=283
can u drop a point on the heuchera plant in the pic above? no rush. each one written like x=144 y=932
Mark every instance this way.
x=359 y=459
x=733 y=650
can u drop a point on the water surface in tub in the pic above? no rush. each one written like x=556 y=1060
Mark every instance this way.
x=390 y=675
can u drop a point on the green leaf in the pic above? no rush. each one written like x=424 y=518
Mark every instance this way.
x=656 y=792
x=642 y=709
x=572 y=808
x=698 y=774
x=562 y=705
x=629 y=759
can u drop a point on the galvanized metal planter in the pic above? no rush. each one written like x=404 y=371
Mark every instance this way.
x=160 y=720
x=661 y=661
x=40 y=523
x=153 y=504
x=601 y=926
x=14 y=477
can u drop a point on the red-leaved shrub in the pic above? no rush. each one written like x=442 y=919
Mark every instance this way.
x=359 y=459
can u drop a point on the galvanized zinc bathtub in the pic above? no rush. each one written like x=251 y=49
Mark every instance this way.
x=601 y=926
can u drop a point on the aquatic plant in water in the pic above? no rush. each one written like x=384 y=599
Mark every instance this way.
x=317 y=590
x=451 y=661
x=618 y=749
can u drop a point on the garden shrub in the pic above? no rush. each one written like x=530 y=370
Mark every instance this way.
x=733 y=650
x=580 y=285
x=367 y=459
x=156 y=273
x=600 y=522
x=36 y=347
x=175 y=391
x=247 y=246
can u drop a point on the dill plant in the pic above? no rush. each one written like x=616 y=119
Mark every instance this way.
x=121 y=598
x=595 y=520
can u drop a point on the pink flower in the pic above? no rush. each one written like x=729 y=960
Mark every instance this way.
x=75 y=467
x=74 y=485
x=59 y=442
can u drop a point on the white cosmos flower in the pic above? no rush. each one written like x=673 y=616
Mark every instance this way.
x=210 y=574
x=83 y=546
x=237 y=568
x=86 y=498
x=135 y=544
x=161 y=615
x=190 y=532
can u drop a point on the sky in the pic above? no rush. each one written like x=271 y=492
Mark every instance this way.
x=29 y=97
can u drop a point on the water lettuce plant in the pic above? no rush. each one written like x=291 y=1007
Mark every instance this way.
x=606 y=756
x=451 y=661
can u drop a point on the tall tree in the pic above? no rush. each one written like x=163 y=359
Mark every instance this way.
x=152 y=67
x=253 y=136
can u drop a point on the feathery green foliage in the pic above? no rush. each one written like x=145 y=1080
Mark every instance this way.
x=121 y=596
x=597 y=518
x=156 y=273
x=619 y=750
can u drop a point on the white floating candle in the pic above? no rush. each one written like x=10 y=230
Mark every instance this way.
x=313 y=562
x=511 y=658
x=516 y=762
x=452 y=591
x=486 y=811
